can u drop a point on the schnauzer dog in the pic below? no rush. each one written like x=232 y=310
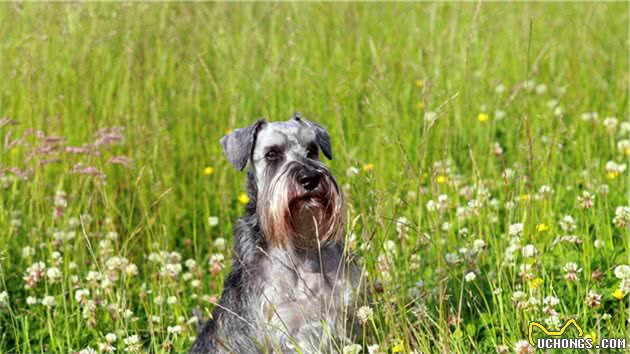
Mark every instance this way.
x=293 y=287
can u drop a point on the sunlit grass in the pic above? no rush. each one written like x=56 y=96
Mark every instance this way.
x=482 y=150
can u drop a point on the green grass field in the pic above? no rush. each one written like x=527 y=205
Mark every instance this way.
x=482 y=152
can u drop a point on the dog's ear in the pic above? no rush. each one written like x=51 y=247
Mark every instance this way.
x=321 y=135
x=239 y=144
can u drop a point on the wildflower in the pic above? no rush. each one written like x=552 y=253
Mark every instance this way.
x=30 y=300
x=171 y=300
x=208 y=171
x=541 y=89
x=441 y=179
x=132 y=344
x=368 y=167
x=106 y=348
x=542 y=227
x=567 y=224
x=364 y=314
x=34 y=274
x=536 y=283
x=571 y=271
x=618 y=294
x=551 y=301
x=243 y=198
x=502 y=349
x=516 y=229
x=419 y=83
x=219 y=244
x=48 y=301
x=529 y=251
x=624 y=146
x=523 y=347
x=611 y=124
x=88 y=350
x=110 y=337
x=81 y=295
x=352 y=349
x=175 y=330
x=589 y=116
x=586 y=200
x=398 y=347
x=4 y=299
x=499 y=89
x=53 y=274
x=430 y=116
x=216 y=263
x=613 y=170
x=213 y=221
x=479 y=245
x=622 y=271
x=482 y=117
x=28 y=252
x=374 y=349
x=470 y=276
x=622 y=216
x=593 y=299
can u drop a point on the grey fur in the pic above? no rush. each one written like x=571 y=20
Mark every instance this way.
x=300 y=296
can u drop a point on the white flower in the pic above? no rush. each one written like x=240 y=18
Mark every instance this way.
x=112 y=235
x=551 y=301
x=28 y=252
x=88 y=350
x=175 y=330
x=132 y=343
x=389 y=246
x=598 y=243
x=219 y=244
x=171 y=300
x=622 y=216
x=529 y=251
x=516 y=229
x=479 y=245
x=470 y=276
x=523 y=347
x=611 y=124
x=622 y=271
x=81 y=295
x=213 y=221
x=48 y=301
x=541 y=89
x=4 y=299
x=110 y=337
x=53 y=274
x=364 y=314
x=352 y=349
x=31 y=301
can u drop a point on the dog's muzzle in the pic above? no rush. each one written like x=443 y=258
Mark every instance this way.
x=301 y=206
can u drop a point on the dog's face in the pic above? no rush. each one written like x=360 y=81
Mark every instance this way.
x=298 y=199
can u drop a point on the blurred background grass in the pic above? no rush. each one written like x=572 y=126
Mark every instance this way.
x=178 y=76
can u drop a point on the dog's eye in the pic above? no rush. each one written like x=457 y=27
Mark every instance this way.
x=272 y=155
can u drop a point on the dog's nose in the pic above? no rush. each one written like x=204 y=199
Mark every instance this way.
x=309 y=180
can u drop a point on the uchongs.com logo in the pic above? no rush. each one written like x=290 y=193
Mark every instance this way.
x=552 y=340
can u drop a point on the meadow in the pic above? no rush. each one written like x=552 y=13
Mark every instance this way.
x=482 y=149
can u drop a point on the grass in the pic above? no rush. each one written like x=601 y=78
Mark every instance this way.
x=421 y=100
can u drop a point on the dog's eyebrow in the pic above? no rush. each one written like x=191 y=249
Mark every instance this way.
x=274 y=147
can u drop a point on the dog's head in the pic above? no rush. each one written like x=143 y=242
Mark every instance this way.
x=298 y=199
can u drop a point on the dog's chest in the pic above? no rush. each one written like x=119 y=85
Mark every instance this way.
x=302 y=294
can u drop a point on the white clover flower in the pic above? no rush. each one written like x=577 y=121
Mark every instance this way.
x=610 y=123
x=352 y=349
x=81 y=295
x=586 y=200
x=190 y=264
x=48 y=301
x=470 y=276
x=219 y=244
x=88 y=350
x=499 y=89
x=213 y=221
x=622 y=271
x=28 y=252
x=589 y=116
x=551 y=301
x=598 y=243
x=541 y=89
x=529 y=251
x=110 y=337
x=431 y=206
x=364 y=314
x=499 y=114
x=31 y=301
x=132 y=343
x=171 y=300
x=112 y=235
x=389 y=246
x=516 y=229
x=4 y=299
x=174 y=330
x=567 y=223
x=479 y=245
x=624 y=146
x=523 y=347
x=131 y=270
x=53 y=274
x=622 y=216
x=518 y=295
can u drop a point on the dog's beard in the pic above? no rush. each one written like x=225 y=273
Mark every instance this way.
x=303 y=219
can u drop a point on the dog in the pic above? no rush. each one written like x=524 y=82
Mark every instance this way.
x=293 y=287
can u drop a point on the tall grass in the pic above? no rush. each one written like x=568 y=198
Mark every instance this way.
x=451 y=123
